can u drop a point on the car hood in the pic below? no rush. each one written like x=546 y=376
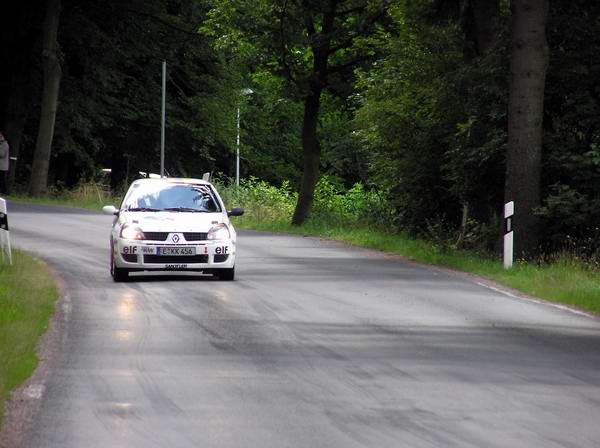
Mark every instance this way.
x=172 y=221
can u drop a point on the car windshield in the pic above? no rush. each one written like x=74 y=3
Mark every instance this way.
x=154 y=197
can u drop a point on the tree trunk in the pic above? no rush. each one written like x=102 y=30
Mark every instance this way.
x=529 y=61
x=463 y=226
x=312 y=156
x=119 y=164
x=14 y=132
x=19 y=105
x=52 y=76
x=481 y=27
x=317 y=81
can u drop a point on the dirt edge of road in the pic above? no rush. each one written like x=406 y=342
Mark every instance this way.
x=26 y=400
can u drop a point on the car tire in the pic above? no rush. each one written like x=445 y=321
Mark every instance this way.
x=118 y=274
x=226 y=274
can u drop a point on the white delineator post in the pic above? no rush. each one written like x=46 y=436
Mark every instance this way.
x=4 y=234
x=509 y=211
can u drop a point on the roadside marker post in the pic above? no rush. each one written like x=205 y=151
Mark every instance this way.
x=509 y=211
x=4 y=233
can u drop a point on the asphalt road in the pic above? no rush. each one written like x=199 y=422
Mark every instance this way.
x=314 y=345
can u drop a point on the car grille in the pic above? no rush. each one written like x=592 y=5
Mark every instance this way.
x=221 y=258
x=195 y=236
x=156 y=236
x=189 y=236
x=130 y=258
x=180 y=259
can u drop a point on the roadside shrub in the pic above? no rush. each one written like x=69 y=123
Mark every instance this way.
x=90 y=192
x=354 y=207
x=332 y=206
x=260 y=200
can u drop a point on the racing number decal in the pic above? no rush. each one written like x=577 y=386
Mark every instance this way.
x=221 y=250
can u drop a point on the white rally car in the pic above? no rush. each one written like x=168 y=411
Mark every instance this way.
x=174 y=225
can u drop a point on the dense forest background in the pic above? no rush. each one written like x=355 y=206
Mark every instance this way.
x=417 y=100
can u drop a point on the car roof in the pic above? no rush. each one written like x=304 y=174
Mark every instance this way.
x=172 y=180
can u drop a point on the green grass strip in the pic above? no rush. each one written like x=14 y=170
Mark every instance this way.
x=68 y=200
x=27 y=297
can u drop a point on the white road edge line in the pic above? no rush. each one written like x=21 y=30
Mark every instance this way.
x=540 y=302
x=34 y=391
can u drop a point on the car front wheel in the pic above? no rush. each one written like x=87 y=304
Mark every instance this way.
x=118 y=274
x=226 y=274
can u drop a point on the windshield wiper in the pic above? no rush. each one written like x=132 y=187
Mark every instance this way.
x=185 y=209
x=142 y=209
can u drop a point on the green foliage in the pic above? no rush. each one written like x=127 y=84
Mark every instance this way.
x=270 y=137
x=571 y=210
x=333 y=205
x=279 y=47
x=109 y=114
x=434 y=125
x=354 y=207
x=261 y=201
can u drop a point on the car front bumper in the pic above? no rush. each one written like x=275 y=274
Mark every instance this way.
x=142 y=256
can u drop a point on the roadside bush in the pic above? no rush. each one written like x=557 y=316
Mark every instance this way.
x=90 y=192
x=260 y=200
x=355 y=207
x=332 y=206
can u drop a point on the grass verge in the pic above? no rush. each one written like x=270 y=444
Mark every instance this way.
x=89 y=203
x=27 y=297
x=565 y=281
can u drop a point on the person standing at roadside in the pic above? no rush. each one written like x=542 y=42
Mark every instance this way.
x=4 y=158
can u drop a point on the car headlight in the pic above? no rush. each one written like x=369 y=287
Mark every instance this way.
x=132 y=233
x=219 y=232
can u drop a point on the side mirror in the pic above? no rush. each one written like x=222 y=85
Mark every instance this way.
x=236 y=212
x=110 y=210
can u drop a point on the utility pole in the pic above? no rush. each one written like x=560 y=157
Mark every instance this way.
x=243 y=92
x=162 y=129
x=237 y=156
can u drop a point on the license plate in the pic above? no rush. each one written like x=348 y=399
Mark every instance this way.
x=175 y=251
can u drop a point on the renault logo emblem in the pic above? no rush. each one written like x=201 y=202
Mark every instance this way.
x=175 y=238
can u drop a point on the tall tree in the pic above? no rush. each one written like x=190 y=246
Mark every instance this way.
x=320 y=46
x=20 y=37
x=52 y=76
x=314 y=45
x=529 y=62
x=480 y=23
x=479 y=20
x=332 y=28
